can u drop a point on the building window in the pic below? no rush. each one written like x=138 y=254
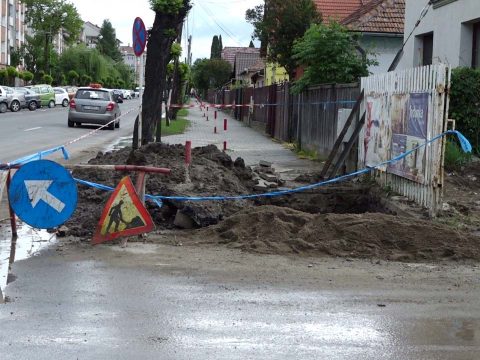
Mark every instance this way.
x=427 y=49
x=476 y=46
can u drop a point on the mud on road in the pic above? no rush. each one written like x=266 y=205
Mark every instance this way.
x=350 y=220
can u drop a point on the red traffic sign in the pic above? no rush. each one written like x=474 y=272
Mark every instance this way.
x=124 y=215
x=139 y=36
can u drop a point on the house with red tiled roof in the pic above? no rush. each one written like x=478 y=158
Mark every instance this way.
x=381 y=26
x=337 y=9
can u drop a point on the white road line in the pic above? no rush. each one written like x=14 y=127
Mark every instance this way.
x=32 y=129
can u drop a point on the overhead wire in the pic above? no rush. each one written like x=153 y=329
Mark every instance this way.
x=212 y=17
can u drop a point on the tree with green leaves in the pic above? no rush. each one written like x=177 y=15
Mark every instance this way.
x=46 y=18
x=220 y=45
x=210 y=74
x=251 y=45
x=169 y=18
x=277 y=25
x=329 y=55
x=215 y=50
x=90 y=66
x=107 y=41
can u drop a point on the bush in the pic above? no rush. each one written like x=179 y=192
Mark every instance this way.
x=3 y=76
x=27 y=76
x=72 y=76
x=465 y=104
x=455 y=157
x=47 y=79
x=85 y=80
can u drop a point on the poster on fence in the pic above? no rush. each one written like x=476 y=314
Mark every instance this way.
x=378 y=131
x=409 y=114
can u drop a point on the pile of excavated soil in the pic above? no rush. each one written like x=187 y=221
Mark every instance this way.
x=277 y=230
x=347 y=220
x=212 y=172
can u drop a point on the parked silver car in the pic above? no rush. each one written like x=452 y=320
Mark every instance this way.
x=3 y=102
x=94 y=106
x=32 y=99
x=15 y=100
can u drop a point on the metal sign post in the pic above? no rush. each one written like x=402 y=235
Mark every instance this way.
x=139 y=34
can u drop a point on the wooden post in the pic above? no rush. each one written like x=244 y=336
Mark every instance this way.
x=349 y=146
x=340 y=138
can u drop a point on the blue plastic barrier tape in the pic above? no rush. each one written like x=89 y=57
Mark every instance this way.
x=466 y=146
x=38 y=156
x=157 y=200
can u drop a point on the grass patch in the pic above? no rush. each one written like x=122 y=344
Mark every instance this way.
x=303 y=153
x=176 y=126
x=455 y=158
x=182 y=113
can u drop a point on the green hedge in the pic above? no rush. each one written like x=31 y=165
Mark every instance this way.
x=465 y=104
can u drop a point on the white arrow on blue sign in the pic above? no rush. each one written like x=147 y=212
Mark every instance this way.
x=43 y=194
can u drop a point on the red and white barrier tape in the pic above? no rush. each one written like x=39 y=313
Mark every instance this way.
x=93 y=132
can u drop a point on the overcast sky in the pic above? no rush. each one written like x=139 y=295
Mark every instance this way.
x=206 y=19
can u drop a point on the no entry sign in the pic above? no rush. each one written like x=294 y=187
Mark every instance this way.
x=139 y=36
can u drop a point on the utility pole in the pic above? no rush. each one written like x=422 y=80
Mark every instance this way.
x=189 y=58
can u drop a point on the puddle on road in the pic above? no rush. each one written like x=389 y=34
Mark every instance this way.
x=121 y=143
x=29 y=243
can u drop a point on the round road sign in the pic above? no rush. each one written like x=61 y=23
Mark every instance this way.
x=139 y=36
x=43 y=194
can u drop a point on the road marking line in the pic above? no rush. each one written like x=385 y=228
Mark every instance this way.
x=32 y=129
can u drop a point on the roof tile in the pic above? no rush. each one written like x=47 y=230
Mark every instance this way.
x=382 y=16
x=337 y=9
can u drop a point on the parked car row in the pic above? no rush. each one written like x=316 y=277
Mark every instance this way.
x=32 y=97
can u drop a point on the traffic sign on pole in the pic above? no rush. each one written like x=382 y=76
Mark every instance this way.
x=139 y=36
x=43 y=194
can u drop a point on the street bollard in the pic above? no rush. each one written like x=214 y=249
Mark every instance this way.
x=188 y=153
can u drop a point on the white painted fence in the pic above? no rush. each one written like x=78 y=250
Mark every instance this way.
x=403 y=110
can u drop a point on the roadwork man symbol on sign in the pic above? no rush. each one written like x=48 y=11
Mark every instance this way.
x=124 y=215
x=115 y=216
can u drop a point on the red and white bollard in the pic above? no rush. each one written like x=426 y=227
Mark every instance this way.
x=225 y=134
x=215 y=122
x=188 y=153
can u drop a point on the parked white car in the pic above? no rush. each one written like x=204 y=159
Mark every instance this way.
x=61 y=97
x=127 y=94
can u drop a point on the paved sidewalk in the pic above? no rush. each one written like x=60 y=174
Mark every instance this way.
x=242 y=141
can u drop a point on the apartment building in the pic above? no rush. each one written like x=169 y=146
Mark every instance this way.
x=133 y=61
x=12 y=28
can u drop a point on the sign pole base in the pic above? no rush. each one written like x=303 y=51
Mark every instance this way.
x=13 y=221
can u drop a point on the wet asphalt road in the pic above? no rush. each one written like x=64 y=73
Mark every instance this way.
x=191 y=303
x=27 y=132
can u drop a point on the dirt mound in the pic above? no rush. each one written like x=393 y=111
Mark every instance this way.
x=212 y=172
x=277 y=230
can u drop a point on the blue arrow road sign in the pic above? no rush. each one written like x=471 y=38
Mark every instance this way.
x=43 y=194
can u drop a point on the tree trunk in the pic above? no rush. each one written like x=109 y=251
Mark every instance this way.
x=176 y=86
x=163 y=33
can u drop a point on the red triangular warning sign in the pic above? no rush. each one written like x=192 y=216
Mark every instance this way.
x=124 y=215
